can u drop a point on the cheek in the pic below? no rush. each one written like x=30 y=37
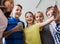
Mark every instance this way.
x=26 y=19
x=15 y=12
x=32 y=18
x=36 y=19
x=40 y=19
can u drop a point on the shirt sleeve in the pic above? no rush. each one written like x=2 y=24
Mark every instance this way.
x=3 y=23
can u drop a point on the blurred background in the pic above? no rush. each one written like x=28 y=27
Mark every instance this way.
x=35 y=5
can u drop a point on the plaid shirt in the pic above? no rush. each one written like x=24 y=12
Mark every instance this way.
x=57 y=34
x=55 y=31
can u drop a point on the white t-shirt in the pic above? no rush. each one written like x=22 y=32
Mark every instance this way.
x=3 y=23
x=52 y=29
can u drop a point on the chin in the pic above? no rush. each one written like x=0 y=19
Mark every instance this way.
x=29 y=22
x=17 y=17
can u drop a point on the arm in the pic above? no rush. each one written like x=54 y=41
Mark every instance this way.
x=7 y=33
x=15 y=29
x=46 y=22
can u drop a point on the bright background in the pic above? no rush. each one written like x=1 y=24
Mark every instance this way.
x=31 y=5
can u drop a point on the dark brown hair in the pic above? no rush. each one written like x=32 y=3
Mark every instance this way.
x=32 y=15
x=48 y=9
x=40 y=13
x=19 y=6
x=11 y=1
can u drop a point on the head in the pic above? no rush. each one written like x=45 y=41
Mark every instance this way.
x=39 y=17
x=17 y=11
x=52 y=11
x=49 y=11
x=29 y=17
x=8 y=4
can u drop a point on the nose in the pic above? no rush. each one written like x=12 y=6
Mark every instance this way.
x=19 y=11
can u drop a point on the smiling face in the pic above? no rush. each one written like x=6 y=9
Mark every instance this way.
x=49 y=13
x=9 y=5
x=29 y=18
x=17 y=11
x=39 y=17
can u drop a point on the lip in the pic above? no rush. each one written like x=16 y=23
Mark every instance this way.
x=30 y=20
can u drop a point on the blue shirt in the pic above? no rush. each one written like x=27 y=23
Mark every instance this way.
x=16 y=37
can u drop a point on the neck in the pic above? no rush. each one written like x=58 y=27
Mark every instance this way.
x=40 y=22
x=30 y=24
x=15 y=17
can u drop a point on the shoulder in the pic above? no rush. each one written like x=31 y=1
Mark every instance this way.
x=10 y=20
x=34 y=26
x=37 y=26
x=23 y=24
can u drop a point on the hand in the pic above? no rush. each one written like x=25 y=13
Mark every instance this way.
x=52 y=17
x=57 y=19
x=55 y=11
x=19 y=27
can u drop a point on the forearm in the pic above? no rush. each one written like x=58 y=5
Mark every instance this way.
x=46 y=22
x=15 y=29
x=7 y=33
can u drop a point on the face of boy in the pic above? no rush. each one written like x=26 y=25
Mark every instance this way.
x=17 y=11
x=50 y=12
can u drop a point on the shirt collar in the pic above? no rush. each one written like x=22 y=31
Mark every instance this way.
x=15 y=19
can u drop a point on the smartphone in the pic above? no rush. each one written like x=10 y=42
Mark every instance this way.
x=55 y=3
x=55 y=9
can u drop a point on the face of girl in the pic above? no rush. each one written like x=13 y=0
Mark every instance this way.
x=29 y=18
x=9 y=5
x=39 y=17
x=16 y=11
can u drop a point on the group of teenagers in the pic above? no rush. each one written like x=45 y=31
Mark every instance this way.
x=36 y=31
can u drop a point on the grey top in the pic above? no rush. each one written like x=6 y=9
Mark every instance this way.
x=46 y=36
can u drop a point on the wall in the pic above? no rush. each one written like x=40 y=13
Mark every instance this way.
x=30 y=5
